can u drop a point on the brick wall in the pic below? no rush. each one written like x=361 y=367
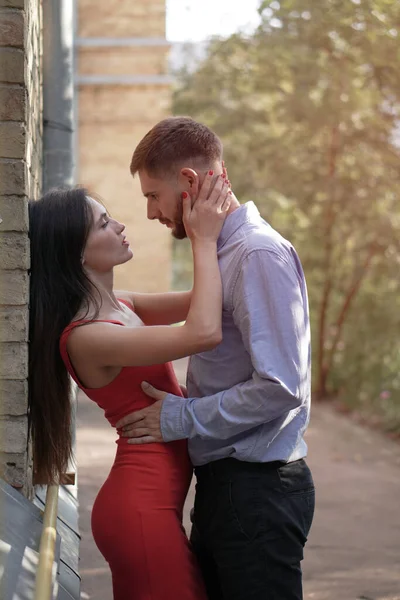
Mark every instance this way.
x=20 y=179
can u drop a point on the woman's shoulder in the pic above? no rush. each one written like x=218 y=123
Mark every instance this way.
x=126 y=298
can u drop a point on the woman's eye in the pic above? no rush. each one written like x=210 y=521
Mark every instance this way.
x=104 y=225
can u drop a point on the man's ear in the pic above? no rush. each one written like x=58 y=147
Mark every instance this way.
x=190 y=180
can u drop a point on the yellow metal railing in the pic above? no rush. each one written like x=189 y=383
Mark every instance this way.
x=44 y=575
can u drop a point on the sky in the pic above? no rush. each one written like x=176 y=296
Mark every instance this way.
x=197 y=20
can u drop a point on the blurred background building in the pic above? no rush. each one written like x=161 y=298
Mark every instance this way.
x=123 y=89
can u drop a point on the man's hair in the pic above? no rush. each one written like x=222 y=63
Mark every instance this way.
x=173 y=142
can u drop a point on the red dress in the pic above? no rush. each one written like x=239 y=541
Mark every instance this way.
x=137 y=515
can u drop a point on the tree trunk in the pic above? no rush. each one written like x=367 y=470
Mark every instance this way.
x=330 y=218
x=351 y=294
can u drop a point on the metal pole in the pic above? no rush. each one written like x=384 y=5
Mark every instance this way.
x=58 y=93
x=58 y=171
x=59 y=104
x=44 y=575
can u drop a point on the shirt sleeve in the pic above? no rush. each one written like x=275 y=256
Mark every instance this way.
x=270 y=309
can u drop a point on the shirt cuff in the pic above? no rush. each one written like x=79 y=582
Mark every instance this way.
x=172 y=418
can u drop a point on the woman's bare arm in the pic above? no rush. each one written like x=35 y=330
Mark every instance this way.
x=111 y=345
x=159 y=308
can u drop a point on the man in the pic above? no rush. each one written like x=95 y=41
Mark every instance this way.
x=248 y=399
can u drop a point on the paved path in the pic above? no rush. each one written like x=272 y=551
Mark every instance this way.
x=354 y=548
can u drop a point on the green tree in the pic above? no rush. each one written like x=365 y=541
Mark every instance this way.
x=308 y=108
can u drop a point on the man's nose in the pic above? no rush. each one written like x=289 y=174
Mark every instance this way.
x=152 y=211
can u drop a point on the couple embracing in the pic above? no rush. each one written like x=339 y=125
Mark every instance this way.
x=241 y=422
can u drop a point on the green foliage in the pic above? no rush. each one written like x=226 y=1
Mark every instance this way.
x=308 y=109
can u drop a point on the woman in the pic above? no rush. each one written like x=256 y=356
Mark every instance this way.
x=109 y=343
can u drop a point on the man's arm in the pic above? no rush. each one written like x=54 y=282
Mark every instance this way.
x=159 y=309
x=270 y=310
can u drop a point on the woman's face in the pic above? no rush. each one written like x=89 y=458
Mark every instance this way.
x=106 y=245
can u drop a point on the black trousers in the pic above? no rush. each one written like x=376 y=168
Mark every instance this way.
x=250 y=525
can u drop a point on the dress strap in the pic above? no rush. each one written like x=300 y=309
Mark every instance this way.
x=128 y=304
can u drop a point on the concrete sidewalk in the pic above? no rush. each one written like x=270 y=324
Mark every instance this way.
x=354 y=548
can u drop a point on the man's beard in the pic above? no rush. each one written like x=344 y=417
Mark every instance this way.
x=178 y=230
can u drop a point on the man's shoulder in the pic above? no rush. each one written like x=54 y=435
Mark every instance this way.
x=262 y=237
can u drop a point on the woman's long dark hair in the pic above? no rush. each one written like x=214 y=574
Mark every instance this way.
x=59 y=225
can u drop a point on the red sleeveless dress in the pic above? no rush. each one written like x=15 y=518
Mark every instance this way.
x=137 y=515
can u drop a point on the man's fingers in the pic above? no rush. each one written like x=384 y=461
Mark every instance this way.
x=139 y=415
x=151 y=391
x=147 y=439
x=136 y=432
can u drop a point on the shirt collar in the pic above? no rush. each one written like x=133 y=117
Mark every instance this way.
x=246 y=213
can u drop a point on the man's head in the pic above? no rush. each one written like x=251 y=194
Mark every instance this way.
x=172 y=158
